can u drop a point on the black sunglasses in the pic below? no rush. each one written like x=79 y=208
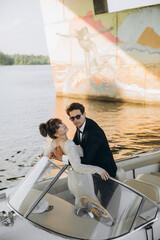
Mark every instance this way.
x=77 y=117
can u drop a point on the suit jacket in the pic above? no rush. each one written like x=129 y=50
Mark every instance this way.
x=96 y=148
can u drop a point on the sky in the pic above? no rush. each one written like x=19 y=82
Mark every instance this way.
x=21 y=27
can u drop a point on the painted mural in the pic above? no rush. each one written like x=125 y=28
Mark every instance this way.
x=107 y=56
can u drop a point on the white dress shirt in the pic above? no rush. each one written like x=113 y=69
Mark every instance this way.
x=81 y=129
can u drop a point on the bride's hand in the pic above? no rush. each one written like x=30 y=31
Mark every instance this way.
x=58 y=152
x=105 y=175
x=52 y=156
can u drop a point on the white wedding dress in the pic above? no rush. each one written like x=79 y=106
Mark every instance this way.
x=80 y=181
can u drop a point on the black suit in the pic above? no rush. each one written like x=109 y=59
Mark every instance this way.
x=95 y=147
x=97 y=152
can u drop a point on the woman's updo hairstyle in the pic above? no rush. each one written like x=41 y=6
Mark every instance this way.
x=50 y=127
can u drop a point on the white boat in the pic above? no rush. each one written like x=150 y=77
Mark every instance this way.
x=132 y=212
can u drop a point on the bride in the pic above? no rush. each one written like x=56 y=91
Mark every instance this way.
x=80 y=181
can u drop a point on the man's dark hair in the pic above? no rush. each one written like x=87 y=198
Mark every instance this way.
x=75 y=106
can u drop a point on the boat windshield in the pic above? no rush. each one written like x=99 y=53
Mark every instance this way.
x=84 y=206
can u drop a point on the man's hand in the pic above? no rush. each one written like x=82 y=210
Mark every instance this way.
x=57 y=153
x=105 y=175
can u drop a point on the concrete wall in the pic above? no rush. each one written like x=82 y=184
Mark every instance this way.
x=112 y=56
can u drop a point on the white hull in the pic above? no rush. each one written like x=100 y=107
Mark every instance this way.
x=146 y=162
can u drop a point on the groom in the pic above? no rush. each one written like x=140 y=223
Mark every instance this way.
x=95 y=148
x=92 y=139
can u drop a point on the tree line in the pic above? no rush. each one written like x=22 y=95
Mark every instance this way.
x=18 y=59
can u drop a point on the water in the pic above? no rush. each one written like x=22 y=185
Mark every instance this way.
x=27 y=98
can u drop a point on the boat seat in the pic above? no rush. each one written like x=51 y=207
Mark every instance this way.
x=149 y=178
x=120 y=174
x=150 y=190
x=156 y=173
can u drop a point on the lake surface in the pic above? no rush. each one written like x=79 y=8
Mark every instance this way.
x=28 y=98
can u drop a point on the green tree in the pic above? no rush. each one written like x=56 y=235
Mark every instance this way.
x=23 y=59
x=5 y=59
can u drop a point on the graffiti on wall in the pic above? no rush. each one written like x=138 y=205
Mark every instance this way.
x=115 y=55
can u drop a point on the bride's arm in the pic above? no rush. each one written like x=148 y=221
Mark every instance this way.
x=75 y=160
x=79 y=150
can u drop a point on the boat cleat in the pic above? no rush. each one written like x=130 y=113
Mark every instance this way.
x=7 y=219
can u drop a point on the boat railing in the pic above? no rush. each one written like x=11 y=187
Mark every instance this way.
x=139 y=154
